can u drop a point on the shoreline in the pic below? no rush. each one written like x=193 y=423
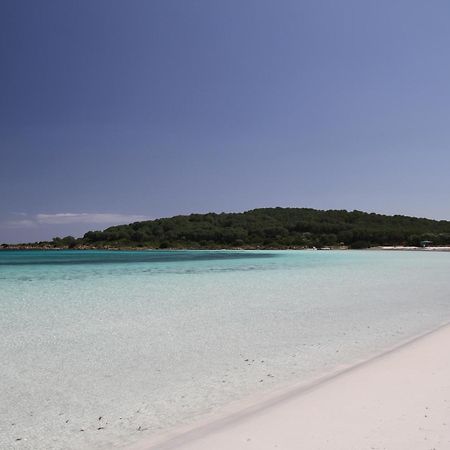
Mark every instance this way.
x=260 y=417
x=33 y=247
x=144 y=249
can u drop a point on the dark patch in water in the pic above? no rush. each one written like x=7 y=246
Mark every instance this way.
x=20 y=258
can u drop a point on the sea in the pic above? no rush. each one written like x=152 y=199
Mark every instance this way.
x=105 y=349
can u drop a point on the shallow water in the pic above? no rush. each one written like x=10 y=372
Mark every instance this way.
x=100 y=349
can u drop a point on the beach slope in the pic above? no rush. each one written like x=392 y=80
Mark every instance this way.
x=400 y=400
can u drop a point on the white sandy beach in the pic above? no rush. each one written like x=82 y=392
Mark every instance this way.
x=400 y=400
x=441 y=248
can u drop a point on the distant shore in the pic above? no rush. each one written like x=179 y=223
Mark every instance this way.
x=142 y=248
x=8 y=247
x=406 y=248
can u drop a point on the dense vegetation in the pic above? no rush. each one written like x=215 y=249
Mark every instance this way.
x=268 y=228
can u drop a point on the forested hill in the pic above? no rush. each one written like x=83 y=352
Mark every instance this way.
x=268 y=228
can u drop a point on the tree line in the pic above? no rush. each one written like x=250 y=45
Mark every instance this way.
x=268 y=228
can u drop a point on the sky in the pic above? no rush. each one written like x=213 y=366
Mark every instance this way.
x=116 y=111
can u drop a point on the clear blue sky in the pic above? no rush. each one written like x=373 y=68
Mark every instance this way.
x=112 y=111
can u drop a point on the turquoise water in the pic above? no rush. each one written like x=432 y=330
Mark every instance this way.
x=100 y=349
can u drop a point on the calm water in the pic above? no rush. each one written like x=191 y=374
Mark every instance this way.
x=101 y=349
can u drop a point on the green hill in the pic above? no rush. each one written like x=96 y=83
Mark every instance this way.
x=269 y=228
